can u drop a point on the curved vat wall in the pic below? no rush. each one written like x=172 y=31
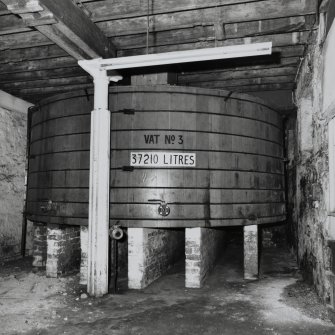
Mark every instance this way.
x=180 y=157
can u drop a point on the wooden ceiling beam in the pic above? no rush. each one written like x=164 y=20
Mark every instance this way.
x=120 y=9
x=42 y=74
x=72 y=30
x=242 y=66
x=10 y=24
x=102 y=11
x=278 y=40
x=272 y=26
x=243 y=12
x=54 y=89
x=204 y=33
x=266 y=87
x=3 y=9
x=258 y=88
x=222 y=76
x=41 y=83
x=42 y=64
x=23 y=40
x=29 y=54
x=221 y=84
x=230 y=30
x=233 y=74
x=174 y=36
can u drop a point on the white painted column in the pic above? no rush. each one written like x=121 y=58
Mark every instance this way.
x=250 y=240
x=98 y=224
x=98 y=218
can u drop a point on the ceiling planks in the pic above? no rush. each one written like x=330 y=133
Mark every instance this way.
x=39 y=45
x=245 y=12
x=71 y=29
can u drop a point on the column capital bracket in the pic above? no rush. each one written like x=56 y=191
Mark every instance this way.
x=94 y=68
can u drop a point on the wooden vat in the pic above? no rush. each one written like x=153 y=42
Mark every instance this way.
x=235 y=141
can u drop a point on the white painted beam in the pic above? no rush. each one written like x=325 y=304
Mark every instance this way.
x=11 y=103
x=187 y=56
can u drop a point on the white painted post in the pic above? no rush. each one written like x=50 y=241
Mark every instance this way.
x=98 y=222
x=98 y=218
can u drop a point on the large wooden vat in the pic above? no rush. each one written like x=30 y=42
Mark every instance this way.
x=236 y=140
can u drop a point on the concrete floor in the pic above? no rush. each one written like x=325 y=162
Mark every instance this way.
x=278 y=303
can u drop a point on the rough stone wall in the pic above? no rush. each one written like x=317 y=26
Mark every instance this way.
x=39 y=245
x=151 y=252
x=291 y=175
x=250 y=252
x=273 y=235
x=311 y=162
x=63 y=250
x=202 y=246
x=12 y=181
x=84 y=254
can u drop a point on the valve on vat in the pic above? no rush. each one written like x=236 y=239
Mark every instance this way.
x=163 y=208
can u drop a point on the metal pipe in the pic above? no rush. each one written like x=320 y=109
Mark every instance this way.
x=25 y=207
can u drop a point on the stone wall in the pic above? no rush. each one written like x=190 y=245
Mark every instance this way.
x=151 y=252
x=39 y=245
x=315 y=99
x=12 y=174
x=63 y=250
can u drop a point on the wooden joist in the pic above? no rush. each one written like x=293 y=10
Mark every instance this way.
x=42 y=74
x=233 y=74
x=119 y=9
x=242 y=66
x=23 y=40
x=261 y=88
x=29 y=54
x=221 y=84
x=204 y=34
x=3 y=9
x=73 y=31
x=56 y=89
x=51 y=82
x=34 y=65
x=278 y=40
x=40 y=40
x=177 y=34
x=245 y=12
x=10 y=24
x=272 y=26
x=229 y=30
x=79 y=29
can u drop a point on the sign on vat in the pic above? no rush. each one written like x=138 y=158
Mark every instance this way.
x=162 y=159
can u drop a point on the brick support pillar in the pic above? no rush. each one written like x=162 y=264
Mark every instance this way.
x=63 y=250
x=250 y=252
x=84 y=255
x=39 y=245
x=202 y=246
x=151 y=252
